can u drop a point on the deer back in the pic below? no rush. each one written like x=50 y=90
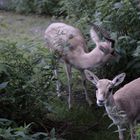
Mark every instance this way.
x=63 y=37
x=128 y=99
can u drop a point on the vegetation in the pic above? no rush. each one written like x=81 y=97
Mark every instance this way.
x=10 y=131
x=121 y=18
x=29 y=107
x=28 y=97
x=33 y=6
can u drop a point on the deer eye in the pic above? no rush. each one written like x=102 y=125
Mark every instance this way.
x=110 y=89
x=96 y=88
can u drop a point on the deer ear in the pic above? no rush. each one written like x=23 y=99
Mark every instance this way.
x=104 y=50
x=91 y=77
x=94 y=36
x=118 y=79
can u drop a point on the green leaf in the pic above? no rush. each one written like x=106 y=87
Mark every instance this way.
x=38 y=134
x=124 y=37
x=52 y=133
x=3 y=85
x=118 y=5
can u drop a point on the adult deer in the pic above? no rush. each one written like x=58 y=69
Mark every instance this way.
x=124 y=106
x=69 y=43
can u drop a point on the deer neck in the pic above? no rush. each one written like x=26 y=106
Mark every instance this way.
x=114 y=112
x=91 y=59
x=110 y=102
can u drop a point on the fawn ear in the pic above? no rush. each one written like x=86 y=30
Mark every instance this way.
x=118 y=79
x=91 y=77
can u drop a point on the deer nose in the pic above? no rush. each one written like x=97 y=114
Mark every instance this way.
x=100 y=102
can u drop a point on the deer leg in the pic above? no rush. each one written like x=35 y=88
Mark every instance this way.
x=68 y=72
x=55 y=72
x=85 y=89
x=133 y=131
x=57 y=83
x=121 y=136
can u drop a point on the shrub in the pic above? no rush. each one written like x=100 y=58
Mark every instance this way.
x=29 y=74
x=10 y=131
x=5 y=4
x=33 y=6
x=48 y=7
x=26 y=84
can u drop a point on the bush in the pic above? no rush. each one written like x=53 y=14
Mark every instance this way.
x=26 y=84
x=10 y=131
x=48 y=7
x=5 y=4
x=28 y=73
